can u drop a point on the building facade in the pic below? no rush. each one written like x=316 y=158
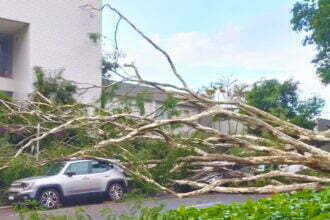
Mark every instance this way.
x=128 y=93
x=52 y=34
x=323 y=125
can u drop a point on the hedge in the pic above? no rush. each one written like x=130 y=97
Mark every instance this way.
x=305 y=204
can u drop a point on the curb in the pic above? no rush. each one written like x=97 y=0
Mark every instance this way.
x=5 y=207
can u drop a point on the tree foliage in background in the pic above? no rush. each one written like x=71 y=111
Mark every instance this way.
x=107 y=94
x=108 y=65
x=313 y=18
x=282 y=100
x=109 y=60
x=57 y=89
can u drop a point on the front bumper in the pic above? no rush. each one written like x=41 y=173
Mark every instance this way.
x=18 y=197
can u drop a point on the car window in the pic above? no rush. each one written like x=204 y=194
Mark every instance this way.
x=54 y=169
x=79 y=168
x=99 y=166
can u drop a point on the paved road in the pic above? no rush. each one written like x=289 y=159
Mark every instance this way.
x=126 y=207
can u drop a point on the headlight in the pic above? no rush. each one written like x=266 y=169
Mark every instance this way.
x=26 y=186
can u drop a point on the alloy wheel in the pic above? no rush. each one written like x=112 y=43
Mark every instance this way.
x=116 y=192
x=49 y=199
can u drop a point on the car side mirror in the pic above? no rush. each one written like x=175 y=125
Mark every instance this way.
x=70 y=174
x=111 y=166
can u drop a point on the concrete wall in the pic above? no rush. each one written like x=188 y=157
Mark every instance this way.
x=323 y=125
x=22 y=68
x=229 y=126
x=226 y=126
x=55 y=38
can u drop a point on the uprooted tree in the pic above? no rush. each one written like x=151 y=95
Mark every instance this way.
x=202 y=156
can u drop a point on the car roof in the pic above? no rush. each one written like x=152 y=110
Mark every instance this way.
x=74 y=161
x=87 y=160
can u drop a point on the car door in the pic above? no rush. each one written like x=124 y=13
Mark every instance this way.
x=79 y=182
x=100 y=175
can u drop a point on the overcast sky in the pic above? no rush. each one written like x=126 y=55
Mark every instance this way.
x=209 y=40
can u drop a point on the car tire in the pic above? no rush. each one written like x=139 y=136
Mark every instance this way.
x=49 y=198
x=116 y=192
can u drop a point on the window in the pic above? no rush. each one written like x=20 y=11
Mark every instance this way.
x=6 y=46
x=54 y=169
x=79 y=168
x=100 y=167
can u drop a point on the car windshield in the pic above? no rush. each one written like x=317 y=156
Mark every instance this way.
x=54 y=169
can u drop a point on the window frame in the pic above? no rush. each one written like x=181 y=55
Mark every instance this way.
x=89 y=168
x=9 y=59
x=110 y=166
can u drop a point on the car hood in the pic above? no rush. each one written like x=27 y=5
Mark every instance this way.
x=31 y=179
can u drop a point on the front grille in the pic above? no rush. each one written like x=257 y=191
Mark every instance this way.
x=14 y=189
x=12 y=192
x=16 y=185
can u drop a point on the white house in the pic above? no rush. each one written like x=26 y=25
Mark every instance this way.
x=53 y=34
x=323 y=125
x=156 y=99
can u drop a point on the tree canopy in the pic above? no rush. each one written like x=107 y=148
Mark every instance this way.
x=55 y=88
x=313 y=18
x=282 y=100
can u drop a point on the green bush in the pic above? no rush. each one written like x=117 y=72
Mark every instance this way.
x=306 y=204
x=20 y=168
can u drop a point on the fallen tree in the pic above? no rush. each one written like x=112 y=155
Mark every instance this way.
x=208 y=161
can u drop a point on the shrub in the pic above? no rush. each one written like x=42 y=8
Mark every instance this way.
x=306 y=204
x=20 y=168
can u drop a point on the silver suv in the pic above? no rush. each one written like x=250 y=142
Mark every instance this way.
x=70 y=179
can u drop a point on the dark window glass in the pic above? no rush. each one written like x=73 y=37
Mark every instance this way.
x=99 y=166
x=54 y=169
x=79 y=168
x=6 y=45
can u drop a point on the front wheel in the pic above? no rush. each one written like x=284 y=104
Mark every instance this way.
x=49 y=198
x=116 y=192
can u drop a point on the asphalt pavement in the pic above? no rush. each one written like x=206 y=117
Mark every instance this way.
x=131 y=206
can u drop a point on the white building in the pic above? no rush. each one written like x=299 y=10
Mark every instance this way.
x=128 y=92
x=53 y=34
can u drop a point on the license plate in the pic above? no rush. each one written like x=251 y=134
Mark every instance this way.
x=11 y=197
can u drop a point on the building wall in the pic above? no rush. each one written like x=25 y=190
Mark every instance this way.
x=156 y=98
x=323 y=125
x=225 y=125
x=55 y=38
x=22 y=70
x=229 y=126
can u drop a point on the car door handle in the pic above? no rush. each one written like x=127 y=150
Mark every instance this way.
x=85 y=178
